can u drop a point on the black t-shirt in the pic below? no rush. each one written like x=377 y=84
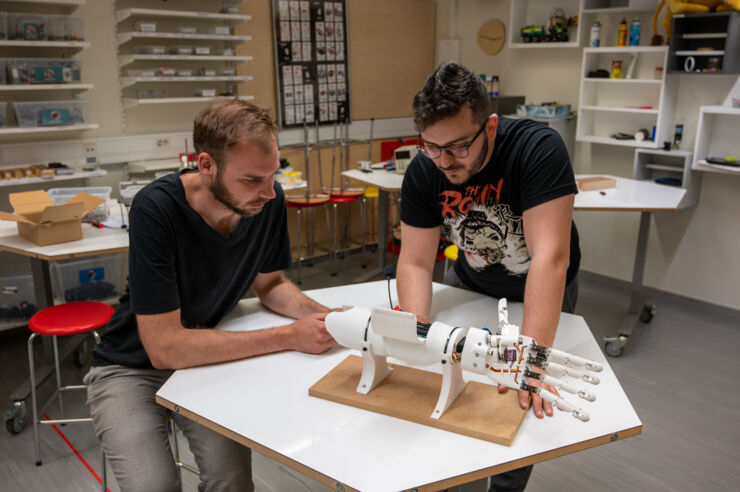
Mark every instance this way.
x=483 y=217
x=177 y=261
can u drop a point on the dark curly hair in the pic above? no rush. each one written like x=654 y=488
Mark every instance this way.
x=446 y=91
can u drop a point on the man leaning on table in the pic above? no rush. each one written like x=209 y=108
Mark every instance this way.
x=199 y=240
x=502 y=190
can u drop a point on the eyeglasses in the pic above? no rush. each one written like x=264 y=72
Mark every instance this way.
x=453 y=150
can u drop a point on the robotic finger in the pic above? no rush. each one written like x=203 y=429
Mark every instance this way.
x=558 y=402
x=573 y=360
x=559 y=370
x=561 y=385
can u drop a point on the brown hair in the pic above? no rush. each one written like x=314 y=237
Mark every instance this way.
x=224 y=121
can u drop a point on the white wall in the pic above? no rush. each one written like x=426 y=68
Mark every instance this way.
x=693 y=253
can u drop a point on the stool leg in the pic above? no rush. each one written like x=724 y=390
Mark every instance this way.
x=33 y=399
x=103 y=470
x=334 y=248
x=298 y=211
x=59 y=375
x=362 y=221
x=328 y=228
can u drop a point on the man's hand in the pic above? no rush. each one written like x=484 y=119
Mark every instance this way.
x=309 y=334
x=538 y=404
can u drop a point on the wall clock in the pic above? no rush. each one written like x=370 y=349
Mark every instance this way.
x=492 y=36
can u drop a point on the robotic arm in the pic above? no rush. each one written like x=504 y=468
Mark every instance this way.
x=506 y=357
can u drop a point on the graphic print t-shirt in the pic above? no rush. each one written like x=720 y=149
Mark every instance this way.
x=483 y=217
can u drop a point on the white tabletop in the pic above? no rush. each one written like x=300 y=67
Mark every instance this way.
x=385 y=180
x=265 y=400
x=94 y=241
x=630 y=195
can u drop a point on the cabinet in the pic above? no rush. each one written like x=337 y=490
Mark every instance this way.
x=618 y=6
x=41 y=80
x=717 y=136
x=178 y=56
x=672 y=167
x=538 y=13
x=705 y=43
x=642 y=99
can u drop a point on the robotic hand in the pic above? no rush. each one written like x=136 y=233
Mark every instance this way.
x=506 y=357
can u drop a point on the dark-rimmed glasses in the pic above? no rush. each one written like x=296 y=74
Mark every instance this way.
x=452 y=150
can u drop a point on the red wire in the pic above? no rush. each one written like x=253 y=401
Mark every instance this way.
x=84 y=462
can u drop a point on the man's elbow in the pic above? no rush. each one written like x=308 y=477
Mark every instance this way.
x=161 y=358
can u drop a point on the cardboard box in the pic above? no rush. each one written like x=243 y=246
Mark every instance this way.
x=596 y=183
x=43 y=223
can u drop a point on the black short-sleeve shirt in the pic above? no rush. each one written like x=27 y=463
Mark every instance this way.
x=483 y=217
x=177 y=261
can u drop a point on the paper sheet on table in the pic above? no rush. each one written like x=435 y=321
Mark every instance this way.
x=116 y=222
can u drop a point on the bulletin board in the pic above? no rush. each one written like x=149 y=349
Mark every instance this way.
x=311 y=59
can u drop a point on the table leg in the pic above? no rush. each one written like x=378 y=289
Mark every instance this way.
x=383 y=197
x=614 y=346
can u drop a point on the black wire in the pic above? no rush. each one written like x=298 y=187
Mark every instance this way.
x=390 y=300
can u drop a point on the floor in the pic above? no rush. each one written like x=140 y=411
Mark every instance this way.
x=680 y=373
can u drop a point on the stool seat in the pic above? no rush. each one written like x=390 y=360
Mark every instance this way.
x=343 y=198
x=71 y=318
x=303 y=202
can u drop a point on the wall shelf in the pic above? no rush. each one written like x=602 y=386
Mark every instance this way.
x=180 y=14
x=656 y=164
x=48 y=129
x=537 y=12
x=647 y=144
x=620 y=110
x=705 y=43
x=50 y=2
x=125 y=37
x=63 y=177
x=45 y=87
x=623 y=81
x=716 y=136
x=130 y=103
x=44 y=44
x=129 y=59
x=127 y=81
x=618 y=6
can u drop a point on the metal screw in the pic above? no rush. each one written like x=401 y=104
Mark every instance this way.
x=364 y=349
x=177 y=409
x=475 y=364
x=340 y=487
x=364 y=386
x=444 y=361
x=614 y=437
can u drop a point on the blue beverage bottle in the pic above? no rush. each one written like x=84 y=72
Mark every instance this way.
x=635 y=32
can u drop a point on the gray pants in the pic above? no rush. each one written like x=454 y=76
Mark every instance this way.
x=132 y=428
x=516 y=480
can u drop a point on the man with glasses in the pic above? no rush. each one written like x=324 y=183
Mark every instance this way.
x=502 y=190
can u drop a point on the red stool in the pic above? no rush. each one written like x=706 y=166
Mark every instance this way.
x=308 y=203
x=65 y=319
x=347 y=196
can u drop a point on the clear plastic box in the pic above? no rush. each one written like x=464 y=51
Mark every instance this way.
x=209 y=92
x=65 y=28
x=50 y=113
x=187 y=29
x=202 y=50
x=30 y=27
x=98 y=214
x=149 y=49
x=17 y=298
x=43 y=70
x=181 y=50
x=3 y=114
x=3 y=25
x=222 y=30
x=146 y=72
x=184 y=72
x=95 y=278
x=165 y=72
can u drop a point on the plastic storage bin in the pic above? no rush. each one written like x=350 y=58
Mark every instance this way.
x=202 y=50
x=181 y=50
x=145 y=26
x=98 y=214
x=43 y=70
x=17 y=298
x=50 y=113
x=29 y=27
x=65 y=28
x=81 y=280
x=3 y=114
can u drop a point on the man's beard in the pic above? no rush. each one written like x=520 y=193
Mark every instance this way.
x=475 y=166
x=221 y=194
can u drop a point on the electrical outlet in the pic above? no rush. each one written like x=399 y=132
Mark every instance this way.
x=91 y=154
x=163 y=142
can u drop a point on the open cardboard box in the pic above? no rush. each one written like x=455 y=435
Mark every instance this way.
x=596 y=183
x=43 y=223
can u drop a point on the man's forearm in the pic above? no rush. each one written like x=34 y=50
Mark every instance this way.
x=287 y=299
x=414 y=285
x=543 y=299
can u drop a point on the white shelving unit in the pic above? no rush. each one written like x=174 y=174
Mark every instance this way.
x=54 y=179
x=674 y=165
x=611 y=106
x=19 y=48
x=717 y=136
x=171 y=28
x=537 y=12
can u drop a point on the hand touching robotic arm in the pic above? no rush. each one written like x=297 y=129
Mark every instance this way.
x=507 y=357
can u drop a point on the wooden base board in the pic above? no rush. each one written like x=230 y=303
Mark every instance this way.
x=411 y=394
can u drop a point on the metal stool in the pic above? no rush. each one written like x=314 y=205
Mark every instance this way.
x=347 y=196
x=65 y=319
x=307 y=202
